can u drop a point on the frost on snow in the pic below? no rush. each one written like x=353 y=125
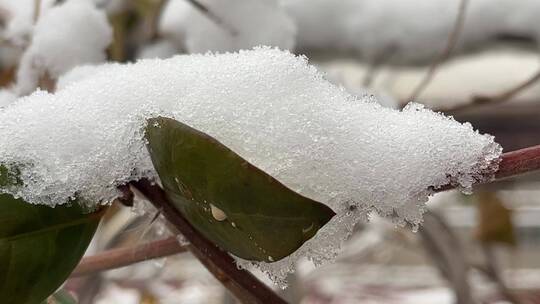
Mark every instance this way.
x=270 y=107
x=239 y=24
x=65 y=36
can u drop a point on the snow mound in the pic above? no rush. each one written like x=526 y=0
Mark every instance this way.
x=270 y=107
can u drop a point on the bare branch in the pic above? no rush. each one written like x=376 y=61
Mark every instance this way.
x=375 y=65
x=37 y=10
x=452 y=41
x=241 y=283
x=120 y=257
x=212 y=16
x=447 y=254
x=499 y=98
x=493 y=272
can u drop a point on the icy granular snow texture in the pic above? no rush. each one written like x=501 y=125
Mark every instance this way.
x=270 y=107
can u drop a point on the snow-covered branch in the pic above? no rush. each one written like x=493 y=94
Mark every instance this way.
x=268 y=106
x=512 y=164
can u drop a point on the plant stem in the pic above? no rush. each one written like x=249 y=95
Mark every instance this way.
x=512 y=163
x=499 y=98
x=246 y=287
x=518 y=162
x=120 y=257
x=203 y=9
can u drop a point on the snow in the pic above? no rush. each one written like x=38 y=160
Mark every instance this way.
x=78 y=29
x=340 y=77
x=82 y=72
x=159 y=49
x=407 y=32
x=270 y=107
x=6 y=97
x=244 y=24
x=20 y=19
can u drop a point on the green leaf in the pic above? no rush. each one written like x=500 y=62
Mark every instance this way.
x=234 y=204
x=39 y=246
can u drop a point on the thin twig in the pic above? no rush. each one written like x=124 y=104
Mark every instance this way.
x=499 y=98
x=375 y=65
x=493 y=272
x=37 y=10
x=447 y=254
x=152 y=32
x=452 y=41
x=212 y=16
x=120 y=257
x=241 y=283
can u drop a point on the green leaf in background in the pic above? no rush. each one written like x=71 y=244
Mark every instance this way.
x=495 y=223
x=234 y=204
x=39 y=246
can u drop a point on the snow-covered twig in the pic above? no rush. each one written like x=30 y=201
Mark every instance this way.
x=513 y=163
x=240 y=282
x=119 y=257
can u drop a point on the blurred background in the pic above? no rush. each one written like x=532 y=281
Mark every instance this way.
x=477 y=60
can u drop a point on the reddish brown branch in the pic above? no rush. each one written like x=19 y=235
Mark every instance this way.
x=120 y=257
x=519 y=161
x=513 y=163
x=241 y=283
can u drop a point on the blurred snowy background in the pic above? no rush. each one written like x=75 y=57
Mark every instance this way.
x=477 y=60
